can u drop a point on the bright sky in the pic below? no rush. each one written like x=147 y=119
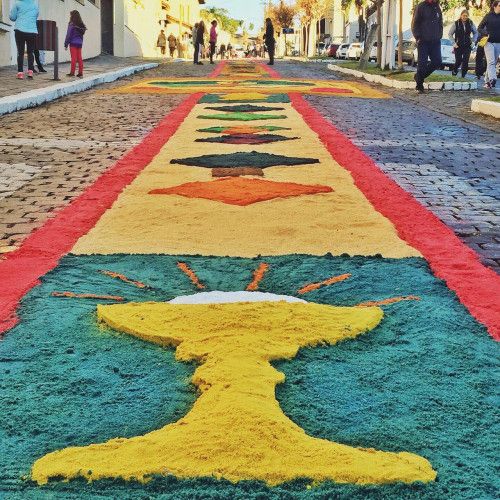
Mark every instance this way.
x=251 y=11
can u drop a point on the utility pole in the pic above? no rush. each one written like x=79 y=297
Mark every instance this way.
x=400 y=36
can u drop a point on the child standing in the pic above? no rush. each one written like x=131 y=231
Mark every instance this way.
x=74 y=38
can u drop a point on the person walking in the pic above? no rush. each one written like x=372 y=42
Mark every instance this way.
x=25 y=14
x=427 y=29
x=222 y=52
x=74 y=39
x=229 y=51
x=490 y=27
x=200 y=40
x=196 y=47
x=172 y=44
x=161 y=43
x=462 y=33
x=213 y=40
x=270 y=40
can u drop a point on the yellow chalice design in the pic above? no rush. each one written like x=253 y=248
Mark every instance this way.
x=236 y=429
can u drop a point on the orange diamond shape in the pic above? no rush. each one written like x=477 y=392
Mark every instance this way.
x=241 y=191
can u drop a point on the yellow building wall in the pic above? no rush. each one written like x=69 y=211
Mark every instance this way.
x=138 y=24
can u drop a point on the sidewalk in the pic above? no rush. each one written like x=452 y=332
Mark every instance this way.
x=21 y=94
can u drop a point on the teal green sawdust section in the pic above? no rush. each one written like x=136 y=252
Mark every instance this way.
x=241 y=117
x=244 y=108
x=252 y=159
x=425 y=380
x=272 y=98
x=223 y=130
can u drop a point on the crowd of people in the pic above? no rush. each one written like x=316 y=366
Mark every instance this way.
x=199 y=37
x=24 y=13
x=427 y=28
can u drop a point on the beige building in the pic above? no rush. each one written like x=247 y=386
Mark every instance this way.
x=123 y=28
x=137 y=24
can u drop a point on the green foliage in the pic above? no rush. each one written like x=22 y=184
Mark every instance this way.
x=222 y=17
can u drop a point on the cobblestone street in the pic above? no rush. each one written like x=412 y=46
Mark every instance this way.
x=50 y=154
x=239 y=281
x=421 y=142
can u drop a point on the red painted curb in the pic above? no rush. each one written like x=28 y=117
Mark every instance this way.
x=477 y=286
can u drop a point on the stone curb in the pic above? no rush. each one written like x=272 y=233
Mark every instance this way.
x=485 y=107
x=389 y=82
x=33 y=98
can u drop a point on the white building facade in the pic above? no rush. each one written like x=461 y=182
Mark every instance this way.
x=124 y=28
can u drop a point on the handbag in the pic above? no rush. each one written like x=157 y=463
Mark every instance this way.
x=483 y=41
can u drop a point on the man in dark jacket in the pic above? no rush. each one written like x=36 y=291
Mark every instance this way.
x=427 y=28
x=270 y=40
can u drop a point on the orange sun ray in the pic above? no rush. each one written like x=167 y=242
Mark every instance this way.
x=190 y=274
x=123 y=278
x=71 y=295
x=385 y=302
x=257 y=277
x=330 y=281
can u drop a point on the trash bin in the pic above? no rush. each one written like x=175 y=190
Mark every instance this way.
x=47 y=35
x=48 y=39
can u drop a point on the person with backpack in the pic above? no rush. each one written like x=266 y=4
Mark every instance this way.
x=462 y=33
x=74 y=40
x=427 y=29
x=25 y=14
x=489 y=28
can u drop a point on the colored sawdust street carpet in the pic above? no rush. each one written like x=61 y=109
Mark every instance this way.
x=231 y=312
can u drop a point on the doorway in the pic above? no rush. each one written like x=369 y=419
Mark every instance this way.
x=107 y=24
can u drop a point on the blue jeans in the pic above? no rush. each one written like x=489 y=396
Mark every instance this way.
x=426 y=51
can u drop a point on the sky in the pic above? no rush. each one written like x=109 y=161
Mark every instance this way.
x=251 y=11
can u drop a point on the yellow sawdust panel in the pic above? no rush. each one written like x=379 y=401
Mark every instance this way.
x=339 y=222
x=332 y=88
x=236 y=429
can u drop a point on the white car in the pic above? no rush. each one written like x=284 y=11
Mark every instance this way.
x=447 y=55
x=373 y=52
x=355 y=50
x=342 y=51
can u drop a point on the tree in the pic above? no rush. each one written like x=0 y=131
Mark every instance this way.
x=222 y=17
x=282 y=16
x=312 y=11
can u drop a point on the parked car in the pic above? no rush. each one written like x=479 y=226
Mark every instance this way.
x=321 y=48
x=355 y=50
x=409 y=47
x=333 y=49
x=342 y=51
x=373 y=52
x=447 y=55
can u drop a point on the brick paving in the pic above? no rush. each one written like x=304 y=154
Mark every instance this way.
x=50 y=154
x=9 y=85
x=423 y=143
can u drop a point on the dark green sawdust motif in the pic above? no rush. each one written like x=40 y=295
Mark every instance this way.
x=223 y=130
x=244 y=108
x=218 y=98
x=247 y=139
x=252 y=159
